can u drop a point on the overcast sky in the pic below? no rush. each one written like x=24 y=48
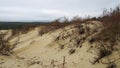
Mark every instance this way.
x=44 y=10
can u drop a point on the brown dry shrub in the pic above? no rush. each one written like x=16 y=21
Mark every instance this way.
x=111 y=22
x=4 y=46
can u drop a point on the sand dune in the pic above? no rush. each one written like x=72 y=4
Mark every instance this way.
x=67 y=47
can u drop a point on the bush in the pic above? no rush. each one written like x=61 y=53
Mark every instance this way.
x=112 y=65
x=4 y=46
x=61 y=46
x=71 y=51
x=92 y=40
x=104 y=52
x=111 y=22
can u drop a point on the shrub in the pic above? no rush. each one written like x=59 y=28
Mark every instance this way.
x=71 y=51
x=76 y=19
x=112 y=65
x=61 y=46
x=92 y=40
x=4 y=46
x=111 y=22
x=104 y=52
x=82 y=31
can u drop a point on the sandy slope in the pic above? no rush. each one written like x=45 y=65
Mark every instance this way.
x=35 y=51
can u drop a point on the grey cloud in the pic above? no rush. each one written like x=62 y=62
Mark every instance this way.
x=36 y=10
